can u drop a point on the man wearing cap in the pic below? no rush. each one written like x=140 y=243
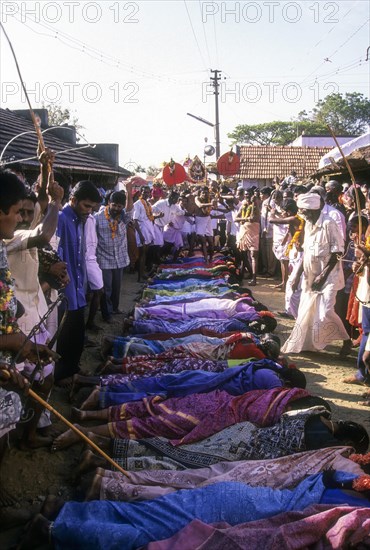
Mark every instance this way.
x=317 y=323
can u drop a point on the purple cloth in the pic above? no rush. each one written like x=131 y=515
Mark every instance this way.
x=318 y=527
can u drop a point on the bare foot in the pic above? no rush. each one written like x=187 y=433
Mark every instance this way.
x=76 y=414
x=35 y=442
x=37 y=535
x=90 y=461
x=51 y=507
x=92 y=402
x=353 y=380
x=49 y=431
x=67 y=439
x=364 y=403
x=94 y=491
x=366 y=394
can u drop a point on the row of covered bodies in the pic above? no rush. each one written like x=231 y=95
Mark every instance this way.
x=213 y=426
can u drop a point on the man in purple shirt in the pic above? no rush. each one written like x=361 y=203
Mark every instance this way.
x=71 y=249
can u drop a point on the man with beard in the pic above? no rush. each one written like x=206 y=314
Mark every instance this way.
x=111 y=252
x=71 y=249
x=317 y=323
x=23 y=262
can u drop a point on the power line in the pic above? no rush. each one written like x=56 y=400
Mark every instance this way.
x=194 y=35
x=204 y=32
x=98 y=55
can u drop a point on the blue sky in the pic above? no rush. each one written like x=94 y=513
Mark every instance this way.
x=131 y=71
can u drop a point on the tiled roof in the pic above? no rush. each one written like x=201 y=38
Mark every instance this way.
x=267 y=162
x=23 y=147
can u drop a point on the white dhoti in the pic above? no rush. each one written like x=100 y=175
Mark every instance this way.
x=317 y=323
x=203 y=226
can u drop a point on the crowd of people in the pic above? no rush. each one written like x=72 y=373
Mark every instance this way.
x=196 y=401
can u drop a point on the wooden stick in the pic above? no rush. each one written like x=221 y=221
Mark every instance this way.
x=33 y=117
x=77 y=431
x=353 y=183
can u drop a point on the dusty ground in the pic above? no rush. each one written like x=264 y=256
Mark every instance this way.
x=30 y=476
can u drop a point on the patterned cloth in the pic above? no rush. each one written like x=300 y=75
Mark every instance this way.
x=242 y=441
x=10 y=411
x=103 y=524
x=280 y=473
x=317 y=527
x=195 y=417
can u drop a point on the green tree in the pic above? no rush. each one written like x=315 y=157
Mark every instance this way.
x=275 y=133
x=347 y=114
x=58 y=116
x=152 y=170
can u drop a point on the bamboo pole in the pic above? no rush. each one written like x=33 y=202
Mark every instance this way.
x=77 y=431
x=353 y=183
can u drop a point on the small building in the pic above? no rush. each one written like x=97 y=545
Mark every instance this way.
x=74 y=160
x=319 y=141
x=260 y=165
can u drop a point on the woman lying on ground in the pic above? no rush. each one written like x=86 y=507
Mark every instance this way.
x=256 y=375
x=185 y=419
x=296 y=431
x=102 y=524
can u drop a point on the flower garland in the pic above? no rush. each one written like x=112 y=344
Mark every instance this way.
x=297 y=235
x=113 y=224
x=8 y=304
x=247 y=211
x=148 y=209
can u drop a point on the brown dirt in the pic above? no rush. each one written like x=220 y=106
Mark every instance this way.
x=32 y=475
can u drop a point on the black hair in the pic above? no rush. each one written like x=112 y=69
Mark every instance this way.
x=354 y=221
x=30 y=196
x=289 y=205
x=308 y=402
x=295 y=378
x=300 y=189
x=351 y=193
x=86 y=190
x=354 y=433
x=118 y=197
x=12 y=190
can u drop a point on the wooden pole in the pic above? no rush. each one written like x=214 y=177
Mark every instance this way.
x=353 y=183
x=33 y=117
x=77 y=431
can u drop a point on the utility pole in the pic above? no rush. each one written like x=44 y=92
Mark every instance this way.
x=215 y=81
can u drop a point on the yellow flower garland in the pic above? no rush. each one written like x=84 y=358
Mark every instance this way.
x=296 y=236
x=113 y=224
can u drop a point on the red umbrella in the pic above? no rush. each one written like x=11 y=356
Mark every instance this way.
x=174 y=173
x=228 y=164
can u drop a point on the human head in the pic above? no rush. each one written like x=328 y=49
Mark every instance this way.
x=116 y=204
x=353 y=434
x=265 y=192
x=83 y=198
x=240 y=192
x=173 y=197
x=145 y=192
x=289 y=207
x=27 y=211
x=12 y=192
x=334 y=188
x=294 y=378
x=309 y=206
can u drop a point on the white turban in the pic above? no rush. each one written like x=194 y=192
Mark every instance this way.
x=309 y=201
